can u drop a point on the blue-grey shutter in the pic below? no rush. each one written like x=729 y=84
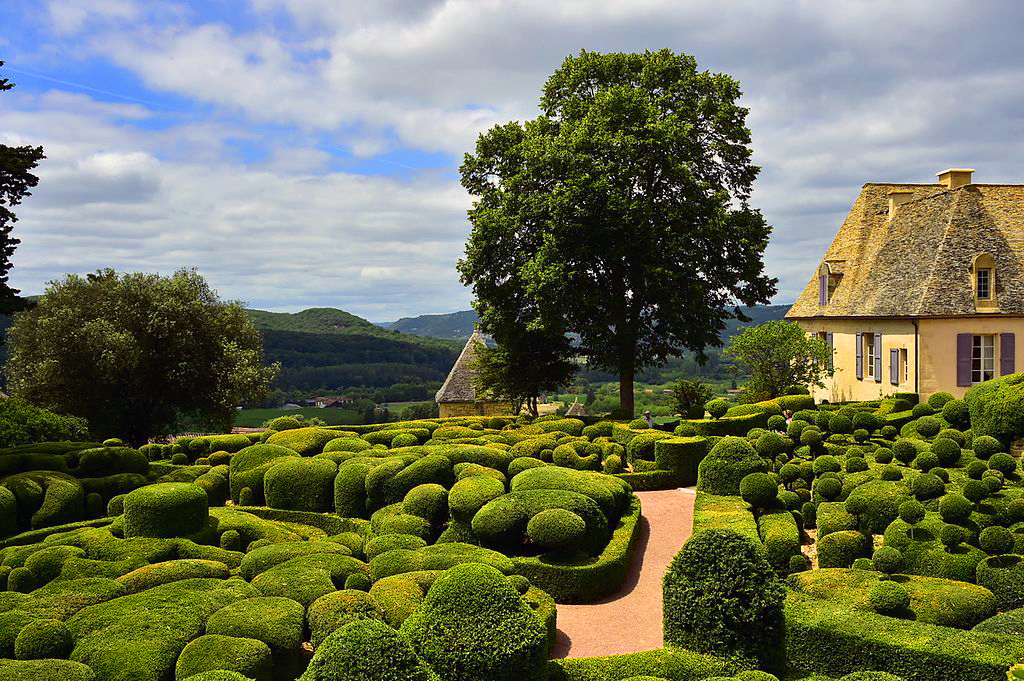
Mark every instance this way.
x=878 y=358
x=964 y=342
x=822 y=289
x=1007 y=354
x=831 y=349
x=860 y=356
x=894 y=366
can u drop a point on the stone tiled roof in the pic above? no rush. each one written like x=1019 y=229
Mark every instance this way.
x=576 y=409
x=918 y=264
x=458 y=387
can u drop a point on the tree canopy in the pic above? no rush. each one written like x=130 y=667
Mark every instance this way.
x=620 y=214
x=778 y=355
x=527 y=364
x=133 y=353
x=16 y=179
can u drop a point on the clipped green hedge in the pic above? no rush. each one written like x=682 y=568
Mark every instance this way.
x=474 y=626
x=714 y=512
x=170 y=509
x=276 y=621
x=997 y=407
x=329 y=613
x=681 y=455
x=45 y=670
x=367 y=650
x=212 y=652
x=728 y=462
x=581 y=580
x=834 y=640
x=781 y=538
x=301 y=485
x=666 y=663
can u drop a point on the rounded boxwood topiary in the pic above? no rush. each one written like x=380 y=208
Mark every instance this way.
x=231 y=540
x=883 y=455
x=276 y=621
x=952 y=434
x=985 y=446
x=428 y=501
x=1002 y=462
x=811 y=437
x=904 y=450
x=771 y=445
x=861 y=435
x=21 y=580
x=871 y=676
x=557 y=530
x=946 y=450
x=912 y=512
x=926 y=461
x=1004 y=577
x=888 y=559
x=522 y=463
x=927 y=486
x=474 y=625
x=249 y=657
x=796 y=428
x=826 y=464
x=777 y=422
x=329 y=613
x=889 y=598
x=921 y=410
x=928 y=426
x=828 y=488
x=799 y=563
x=941 y=473
x=717 y=408
x=728 y=462
x=43 y=640
x=996 y=540
x=865 y=420
x=740 y=616
x=357 y=581
x=367 y=650
x=863 y=564
x=889 y=432
x=891 y=473
x=301 y=484
x=975 y=490
x=840 y=424
x=993 y=483
x=976 y=469
x=938 y=400
x=856 y=464
x=957 y=414
x=840 y=549
x=760 y=490
x=179 y=459
x=168 y=509
x=952 y=536
x=955 y=508
x=809 y=510
x=469 y=495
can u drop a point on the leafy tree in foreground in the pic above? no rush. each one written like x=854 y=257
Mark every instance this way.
x=620 y=213
x=16 y=179
x=777 y=355
x=527 y=364
x=690 y=398
x=133 y=353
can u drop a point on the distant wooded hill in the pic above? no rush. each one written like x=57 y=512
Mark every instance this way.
x=459 y=325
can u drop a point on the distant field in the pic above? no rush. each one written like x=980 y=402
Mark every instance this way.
x=254 y=418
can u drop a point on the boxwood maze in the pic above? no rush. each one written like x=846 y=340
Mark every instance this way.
x=427 y=549
x=895 y=528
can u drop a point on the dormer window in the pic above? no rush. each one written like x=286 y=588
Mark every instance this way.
x=983 y=281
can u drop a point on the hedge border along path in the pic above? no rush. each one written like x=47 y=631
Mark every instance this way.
x=629 y=620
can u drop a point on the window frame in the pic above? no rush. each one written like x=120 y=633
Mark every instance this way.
x=905 y=361
x=870 y=352
x=987 y=272
x=979 y=359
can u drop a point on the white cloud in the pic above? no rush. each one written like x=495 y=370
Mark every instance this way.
x=839 y=95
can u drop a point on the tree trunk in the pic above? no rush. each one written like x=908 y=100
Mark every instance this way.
x=626 y=372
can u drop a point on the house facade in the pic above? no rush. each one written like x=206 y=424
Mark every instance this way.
x=922 y=289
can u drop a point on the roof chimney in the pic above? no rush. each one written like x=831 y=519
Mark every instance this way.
x=897 y=197
x=954 y=178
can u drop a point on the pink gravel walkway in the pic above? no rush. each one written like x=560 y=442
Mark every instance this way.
x=629 y=620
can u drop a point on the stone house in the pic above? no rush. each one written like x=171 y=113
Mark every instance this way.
x=458 y=395
x=922 y=289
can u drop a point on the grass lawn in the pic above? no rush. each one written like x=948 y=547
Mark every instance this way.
x=254 y=418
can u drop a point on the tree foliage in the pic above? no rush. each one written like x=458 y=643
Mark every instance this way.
x=133 y=353
x=621 y=213
x=527 y=364
x=16 y=179
x=690 y=398
x=778 y=355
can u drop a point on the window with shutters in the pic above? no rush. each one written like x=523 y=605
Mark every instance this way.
x=870 y=355
x=983 y=281
x=983 y=359
x=905 y=364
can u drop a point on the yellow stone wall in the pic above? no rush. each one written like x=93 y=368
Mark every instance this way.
x=844 y=384
x=938 y=348
x=452 y=409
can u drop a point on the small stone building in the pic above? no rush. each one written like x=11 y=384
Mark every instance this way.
x=458 y=395
x=922 y=289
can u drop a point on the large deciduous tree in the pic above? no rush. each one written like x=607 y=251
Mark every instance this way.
x=16 y=179
x=779 y=355
x=133 y=353
x=620 y=214
x=527 y=364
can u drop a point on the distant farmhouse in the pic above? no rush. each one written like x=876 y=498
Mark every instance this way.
x=458 y=395
x=922 y=289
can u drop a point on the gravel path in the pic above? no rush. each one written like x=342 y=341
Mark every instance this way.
x=629 y=620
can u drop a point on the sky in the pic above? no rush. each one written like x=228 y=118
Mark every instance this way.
x=305 y=153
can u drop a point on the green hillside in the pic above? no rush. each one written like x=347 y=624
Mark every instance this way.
x=455 y=325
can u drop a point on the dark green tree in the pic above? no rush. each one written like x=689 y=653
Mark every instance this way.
x=135 y=353
x=621 y=213
x=777 y=355
x=528 y=364
x=16 y=179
